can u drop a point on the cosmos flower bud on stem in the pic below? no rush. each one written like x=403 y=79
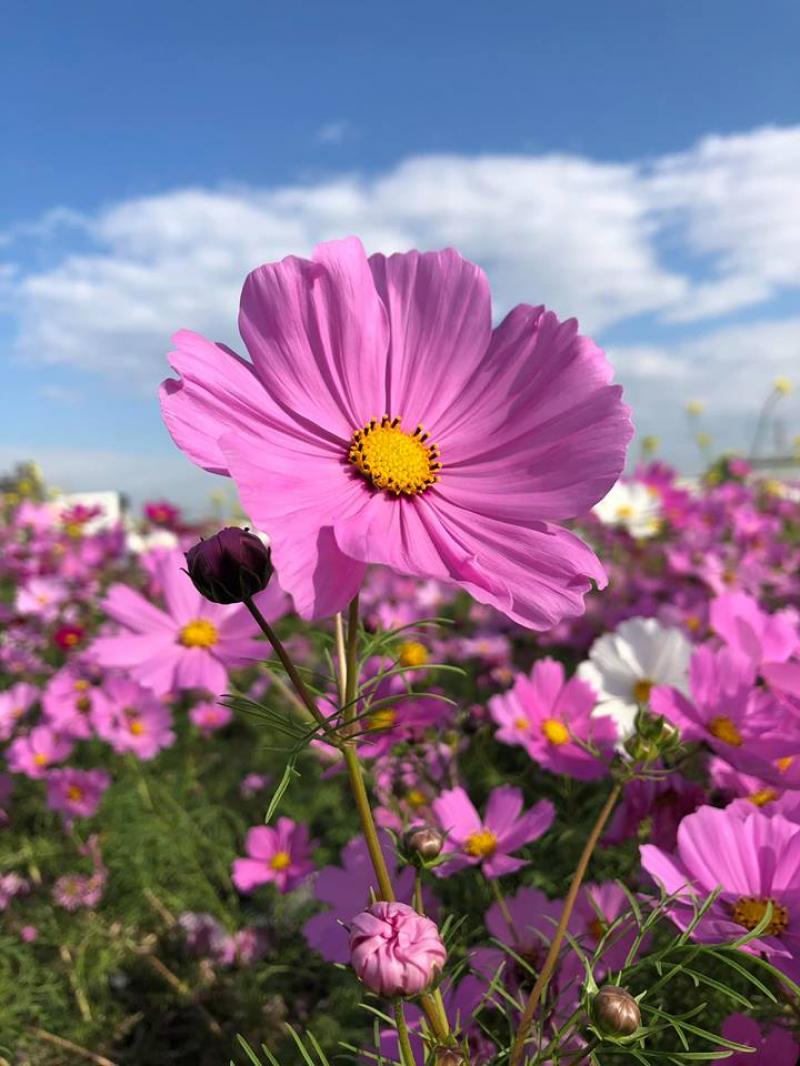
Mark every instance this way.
x=615 y=1012
x=230 y=567
x=449 y=1056
x=423 y=842
x=395 y=951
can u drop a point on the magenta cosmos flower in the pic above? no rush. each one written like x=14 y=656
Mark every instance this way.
x=280 y=855
x=547 y=715
x=395 y=951
x=382 y=420
x=189 y=645
x=489 y=841
x=772 y=1048
x=754 y=860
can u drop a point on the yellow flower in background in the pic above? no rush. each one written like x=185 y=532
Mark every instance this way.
x=695 y=407
x=783 y=386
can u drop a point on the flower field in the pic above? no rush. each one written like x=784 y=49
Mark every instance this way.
x=479 y=751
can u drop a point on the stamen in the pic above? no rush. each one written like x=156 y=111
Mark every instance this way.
x=398 y=462
x=199 y=633
x=749 y=910
x=481 y=845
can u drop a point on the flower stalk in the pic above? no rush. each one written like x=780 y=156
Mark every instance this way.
x=518 y=1049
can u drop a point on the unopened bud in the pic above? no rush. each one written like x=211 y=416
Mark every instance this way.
x=230 y=567
x=448 y=1056
x=615 y=1012
x=424 y=841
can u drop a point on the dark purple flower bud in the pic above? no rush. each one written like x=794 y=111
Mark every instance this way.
x=230 y=567
x=615 y=1012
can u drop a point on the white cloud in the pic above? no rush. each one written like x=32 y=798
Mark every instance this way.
x=689 y=236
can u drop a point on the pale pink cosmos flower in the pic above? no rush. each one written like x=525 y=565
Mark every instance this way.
x=34 y=753
x=15 y=702
x=395 y=951
x=41 y=597
x=76 y=793
x=133 y=719
x=279 y=855
x=489 y=841
x=189 y=645
x=72 y=702
x=209 y=717
x=547 y=715
x=383 y=420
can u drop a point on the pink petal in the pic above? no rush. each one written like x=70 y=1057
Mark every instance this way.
x=456 y=815
x=317 y=334
x=439 y=310
x=128 y=607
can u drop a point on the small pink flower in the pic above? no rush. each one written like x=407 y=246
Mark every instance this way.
x=489 y=841
x=133 y=719
x=395 y=951
x=33 y=754
x=28 y=934
x=76 y=793
x=209 y=717
x=281 y=855
x=41 y=597
x=15 y=702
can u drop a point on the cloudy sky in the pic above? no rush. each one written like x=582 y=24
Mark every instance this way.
x=634 y=165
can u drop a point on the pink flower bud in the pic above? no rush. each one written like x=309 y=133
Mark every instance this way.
x=394 y=950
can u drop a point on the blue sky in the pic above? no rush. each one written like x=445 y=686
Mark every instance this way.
x=635 y=164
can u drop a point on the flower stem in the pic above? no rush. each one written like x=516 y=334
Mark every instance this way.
x=341 y=655
x=518 y=1050
x=351 y=661
x=497 y=892
x=288 y=665
x=359 y=789
x=406 y=1051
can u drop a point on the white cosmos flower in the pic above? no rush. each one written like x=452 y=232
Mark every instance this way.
x=632 y=505
x=625 y=665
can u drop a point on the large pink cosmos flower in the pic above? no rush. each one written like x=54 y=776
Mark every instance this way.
x=754 y=860
x=382 y=420
x=190 y=645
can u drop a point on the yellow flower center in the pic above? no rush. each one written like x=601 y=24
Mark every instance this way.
x=642 y=689
x=40 y=759
x=280 y=860
x=399 y=462
x=763 y=797
x=481 y=845
x=555 y=732
x=625 y=511
x=748 y=912
x=199 y=633
x=135 y=727
x=83 y=704
x=723 y=729
x=522 y=723
x=692 y=623
x=81 y=686
x=74 y=793
x=383 y=719
x=785 y=763
x=412 y=653
x=416 y=798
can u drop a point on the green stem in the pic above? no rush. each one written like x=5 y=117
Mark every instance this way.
x=418 y=904
x=288 y=665
x=406 y=1051
x=518 y=1049
x=341 y=655
x=497 y=892
x=359 y=789
x=351 y=665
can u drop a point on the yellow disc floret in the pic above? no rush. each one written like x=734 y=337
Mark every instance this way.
x=401 y=463
x=555 y=732
x=280 y=860
x=748 y=912
x=481 y=845
x=199 y=633
x=725 y=730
